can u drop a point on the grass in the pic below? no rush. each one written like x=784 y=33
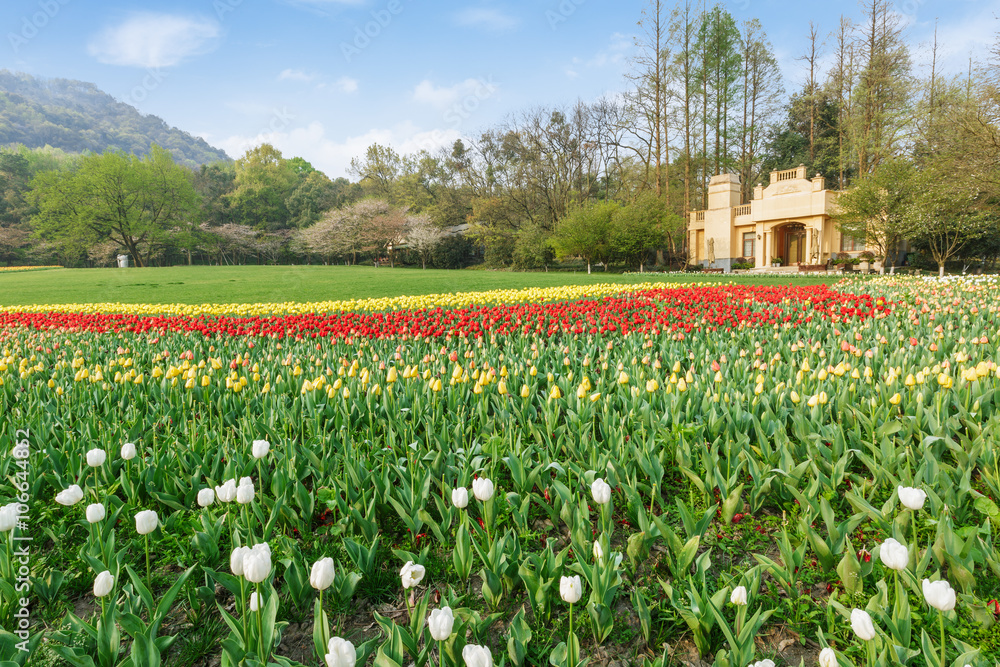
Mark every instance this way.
x=268 y=284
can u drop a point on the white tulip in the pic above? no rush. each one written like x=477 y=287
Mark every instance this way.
x=340 y=653
x=245 y=492
x=482 y=489
x=894 y=555
x=477 y=656
x=70 y=496
x=739 y=596
x=322 y=575
x=827 y=658
x=254 y=601
x=96 y=513
x=146 y=522
x=227 y=492
x=939 y=594
x=862 y=624
x=570 y=589
x=8 y=516
x=601 y=491
x=128 y=451
x=96 y=458
x=412 y=574
x=911 y=498
x=206 y=497
x=257 y=563
x=103 y=584
x=763 y=663
x=260 y=448
x=460 y=498
x=441 y=622
x=598 y=551
x=236 y=560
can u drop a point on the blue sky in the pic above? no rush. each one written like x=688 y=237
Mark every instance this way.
x=323 y=79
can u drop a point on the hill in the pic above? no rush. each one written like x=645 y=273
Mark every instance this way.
x=77 y=116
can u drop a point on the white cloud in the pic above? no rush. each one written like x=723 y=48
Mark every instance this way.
x=490 y=19
x=334 y=156
x=295 y=75
x=154 y=40
x=346 y=84
x=442 y=97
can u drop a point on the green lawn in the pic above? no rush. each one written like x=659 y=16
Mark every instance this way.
x=248 y=284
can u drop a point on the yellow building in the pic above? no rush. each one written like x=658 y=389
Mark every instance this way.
x=788 y=223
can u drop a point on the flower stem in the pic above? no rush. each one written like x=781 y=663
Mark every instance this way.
x=943 y=645
x=260 y=625
x=149 y=580
x=569 y=640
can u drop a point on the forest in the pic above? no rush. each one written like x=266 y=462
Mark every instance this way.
x=605 y=181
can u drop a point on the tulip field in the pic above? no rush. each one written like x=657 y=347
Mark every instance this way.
x=653 y=474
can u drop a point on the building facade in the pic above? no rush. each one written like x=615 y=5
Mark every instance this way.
x=788 y=223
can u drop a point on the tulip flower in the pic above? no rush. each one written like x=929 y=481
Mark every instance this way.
x=763 y=663
x=739 y=596
x=571 y=590
x=254 y=601
x=96 y=458
x=257 y=563
x=128 y=451
x=460 y=498
x=894 y=555
x=103 y=584
x=411 y=574
x=601 y=491
x=340 y=653
x=146 y=522
x=8 y=516
x=941 y=596
x=598 y=551
x=477 y=656
x=911 y=498
x=236 y=560
x=862 y=624
x=827 y=658
x=95 y=513
x=260 y=448
x=70 y=496
x=440 y=622
x=227 y=492
x=322 y=575
x=245 y=491
x=482 y=489
x=206 y=497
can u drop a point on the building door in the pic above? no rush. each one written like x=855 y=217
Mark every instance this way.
x=795 y=244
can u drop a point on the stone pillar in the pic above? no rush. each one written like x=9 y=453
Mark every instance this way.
x=809 y=247
x=767 y=248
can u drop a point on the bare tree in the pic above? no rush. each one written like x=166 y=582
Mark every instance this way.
x=423 y=237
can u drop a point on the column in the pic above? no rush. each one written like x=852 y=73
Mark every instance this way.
x=809 y=248
x=767 y=248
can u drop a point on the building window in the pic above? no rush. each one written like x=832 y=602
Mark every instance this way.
x=748 y=244
x=851 y=244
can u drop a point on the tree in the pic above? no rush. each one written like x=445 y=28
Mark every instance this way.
x=761 y=82
x=876 y=208
x=635 y=231
x=133 y=201
x=377 y=171
x=532 y=248
x=944 y=216
x=263 y=183
x=585 y=231
x=423 y=237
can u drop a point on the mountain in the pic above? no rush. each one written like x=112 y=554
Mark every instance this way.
x=77 y=116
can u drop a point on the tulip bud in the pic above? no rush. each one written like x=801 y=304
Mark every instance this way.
x=128 y=451
x=939 y=594
x=570 y=589
x=236 y=560
x=254 y=601
x=70 y=496
x=894 y=555
x=260 y=448
x=146 y=522
x=411 y=574
x=227 y=492
x=440 y=623
x=103 y=584
x=8 y=516
x=477 y=656
x=862 y=624
x=206 y=497
x=96 y=458
x=911 y=498
x=598 y=551
x=322 y=574
x=601 y=491
x=460 y=498
x=96 y=513
x=245 y=492
x=827 y=658
x=739 y=596
x=482 y=489
x=340 y=653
